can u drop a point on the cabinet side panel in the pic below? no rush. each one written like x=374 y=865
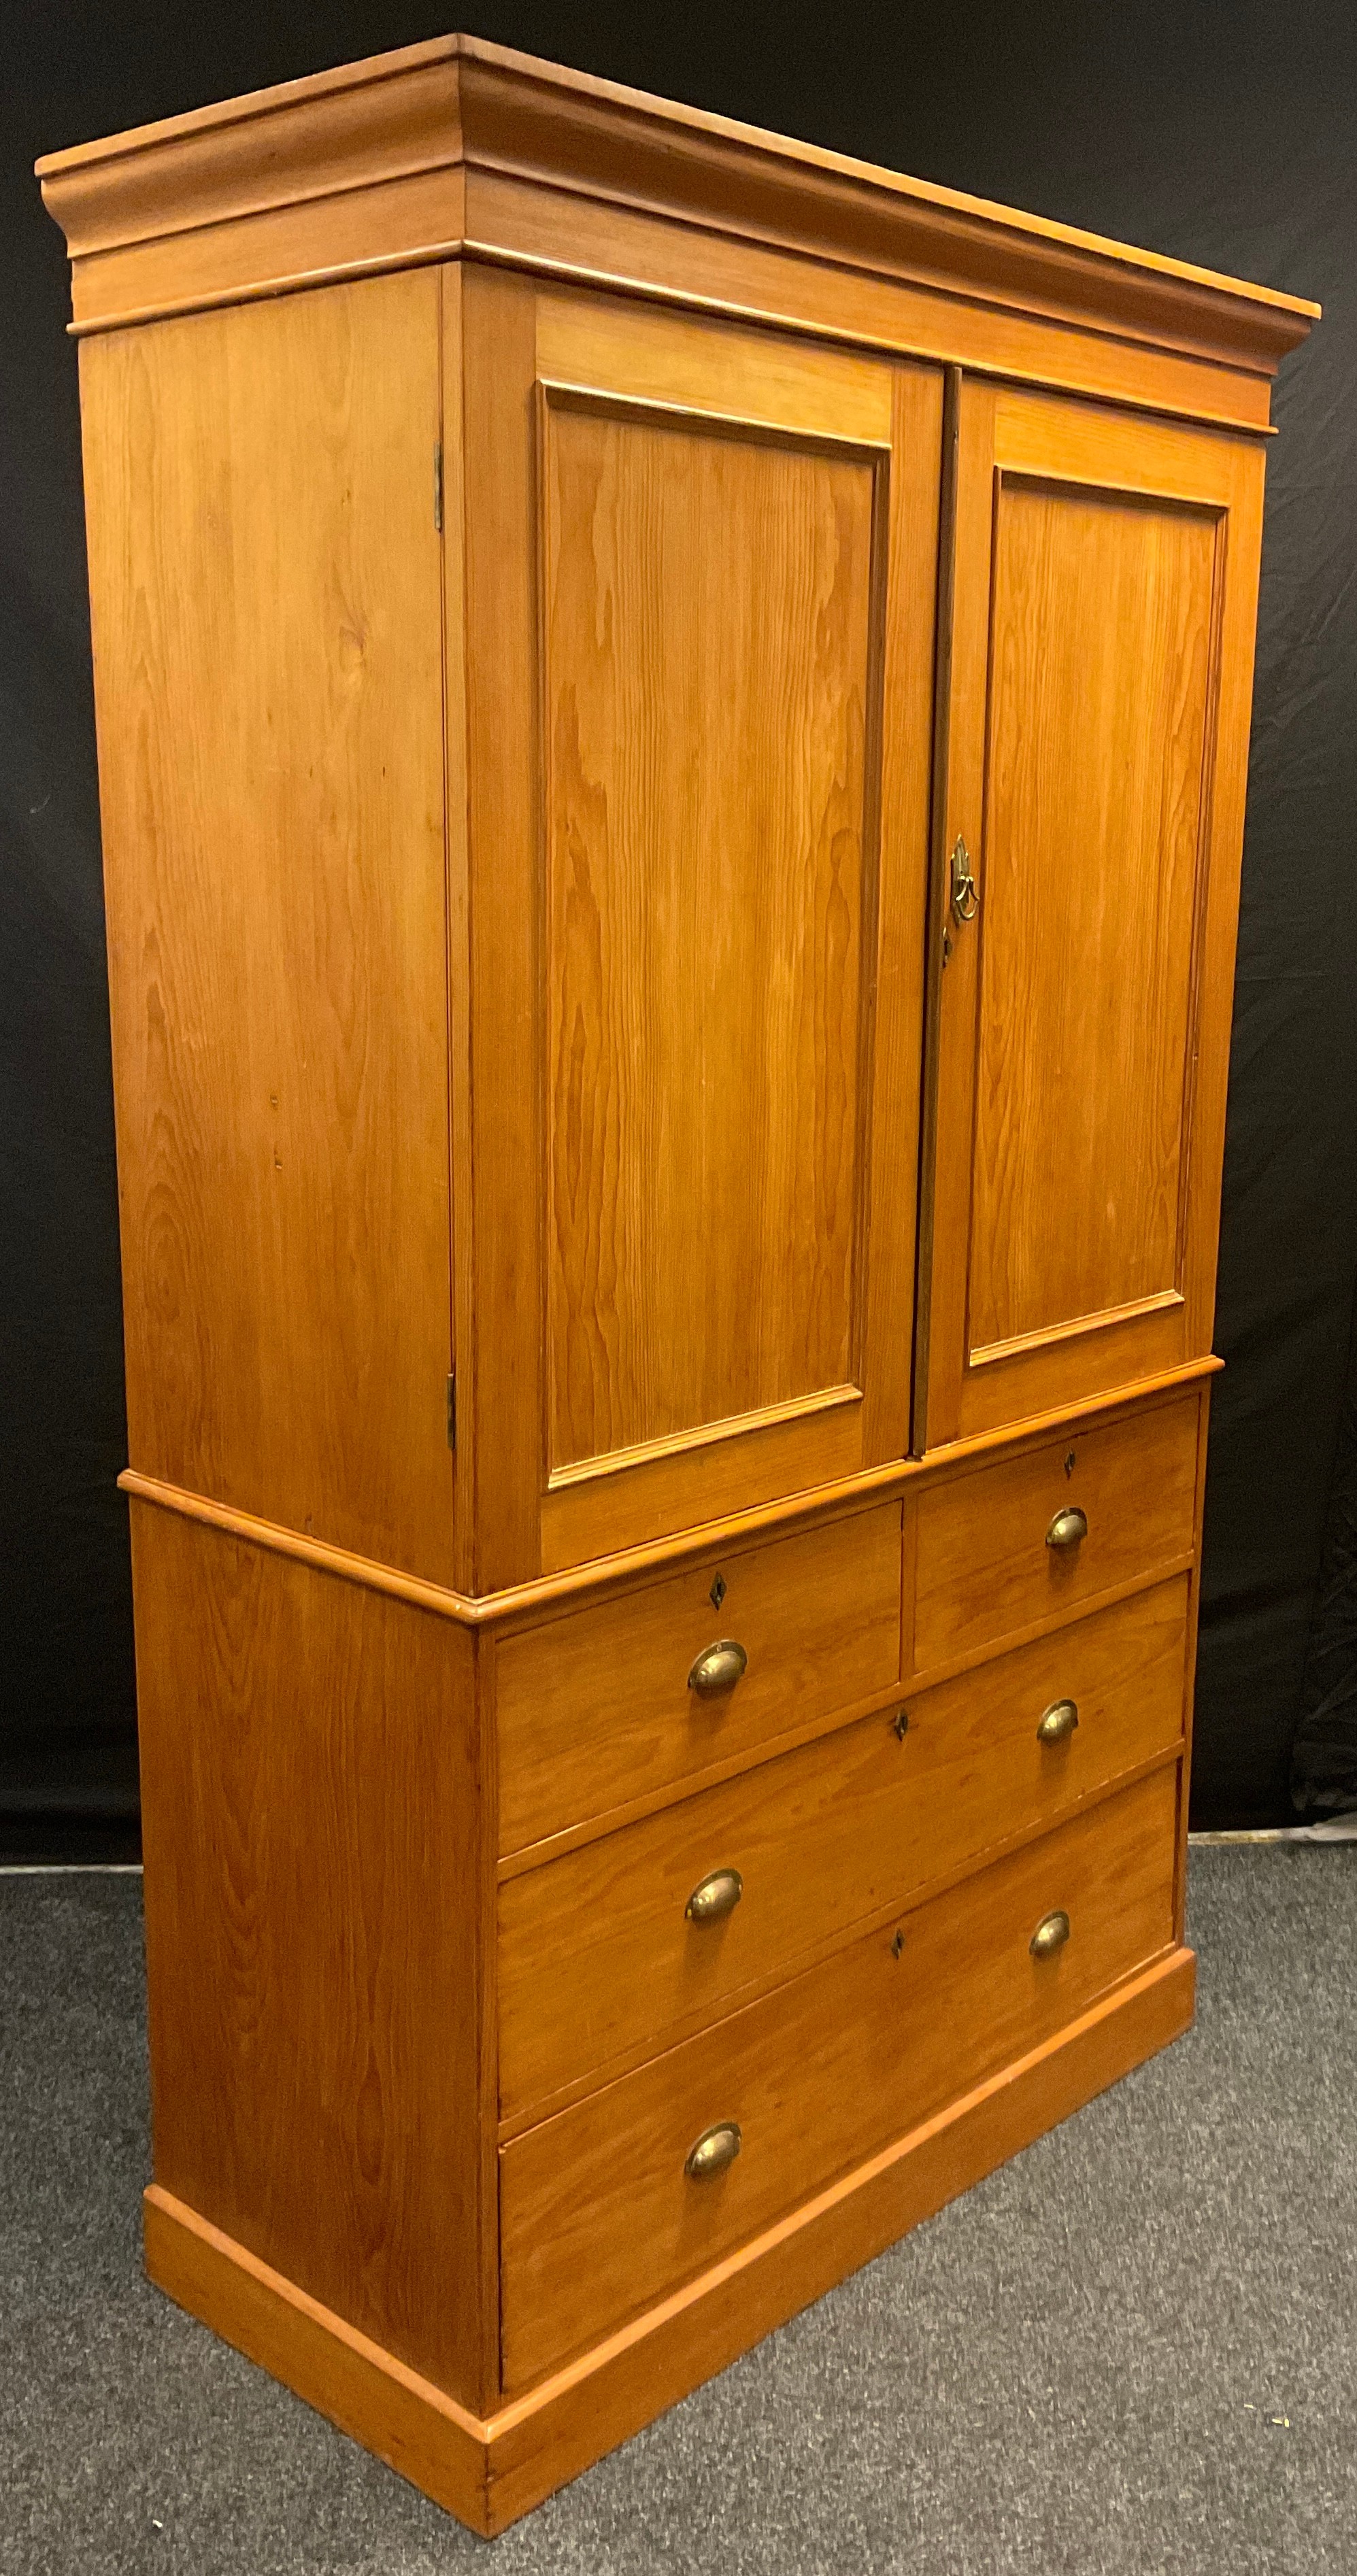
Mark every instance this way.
x=265 y=584
x=313 y=1933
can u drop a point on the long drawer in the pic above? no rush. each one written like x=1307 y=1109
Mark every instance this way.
x=598 y=1706
x=610 y=1951
x=999 y=1547
x=600 y=2211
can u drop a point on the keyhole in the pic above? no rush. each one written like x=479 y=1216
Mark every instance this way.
x=1069 y=1462
x=718 y=1592
x=897 y=1945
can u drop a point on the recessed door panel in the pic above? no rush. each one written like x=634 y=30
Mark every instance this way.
x=710 y=856
x=1093 y=741
x=1100 y=659
x=706 y=557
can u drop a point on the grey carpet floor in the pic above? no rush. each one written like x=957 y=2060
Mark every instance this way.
x=1134 y=2350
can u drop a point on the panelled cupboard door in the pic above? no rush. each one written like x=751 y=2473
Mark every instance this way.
x=733 y=570
x=1104 y=579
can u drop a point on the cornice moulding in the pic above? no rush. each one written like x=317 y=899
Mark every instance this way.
x=232 y=201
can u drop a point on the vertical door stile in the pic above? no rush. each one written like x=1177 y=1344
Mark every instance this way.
x=938 y=934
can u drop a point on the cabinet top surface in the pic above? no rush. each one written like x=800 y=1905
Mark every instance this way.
x=459 y=109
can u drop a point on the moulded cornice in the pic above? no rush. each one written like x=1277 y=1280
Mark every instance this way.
x=434 y=152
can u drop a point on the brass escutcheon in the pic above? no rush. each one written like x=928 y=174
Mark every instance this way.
x=1051 y=1934
x=1068 y=1527
x=965 y=898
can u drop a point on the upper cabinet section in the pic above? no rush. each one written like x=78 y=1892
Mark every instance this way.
x=1096 y=728
x=673 y=713
x=722 y=550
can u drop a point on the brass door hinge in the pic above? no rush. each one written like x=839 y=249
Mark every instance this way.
x=452 y=1408
x=438 y=487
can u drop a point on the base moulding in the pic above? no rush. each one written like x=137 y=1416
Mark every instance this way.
x=490 y=2470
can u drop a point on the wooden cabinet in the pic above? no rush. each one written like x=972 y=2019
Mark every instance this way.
x=672 y=716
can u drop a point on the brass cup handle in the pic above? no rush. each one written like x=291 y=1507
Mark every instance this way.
x=1057 y=1723
x=1068 y=1527
x=715 y=1896
x=1051 y=1934
x=718 y=1668
x=714 y=2152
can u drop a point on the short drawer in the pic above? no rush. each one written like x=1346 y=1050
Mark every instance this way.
x=989 y=1562
x=597 y=1707
x=600 y=2214
x=614 y=1949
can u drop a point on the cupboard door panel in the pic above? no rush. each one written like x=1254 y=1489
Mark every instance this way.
x=1104 y=574
x=713 y=926
x=1100 y=658
x=709 y=673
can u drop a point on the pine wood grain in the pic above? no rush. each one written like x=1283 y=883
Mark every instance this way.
x=497 y=650
x=706 y=921
x=597 y=2215
x=314 y=1911
x=413 y=153
x=1102 y=632
x=520 y=1604
x=264 y=578
x=727 y=1250
x=598 y=1960
x=1095 y=762
x=490 y=2470
x=983 y=1567
x=595 y=1707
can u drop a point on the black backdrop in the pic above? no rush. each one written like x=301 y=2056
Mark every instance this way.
x=1224 y=132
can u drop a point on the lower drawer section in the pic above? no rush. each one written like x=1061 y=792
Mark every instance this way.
x=600 y=2215
x=600 y=1955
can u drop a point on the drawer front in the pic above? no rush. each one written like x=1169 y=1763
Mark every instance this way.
x=599 y=2216
x=984 y=1568
x=596 y=1707
x=603 y=1955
